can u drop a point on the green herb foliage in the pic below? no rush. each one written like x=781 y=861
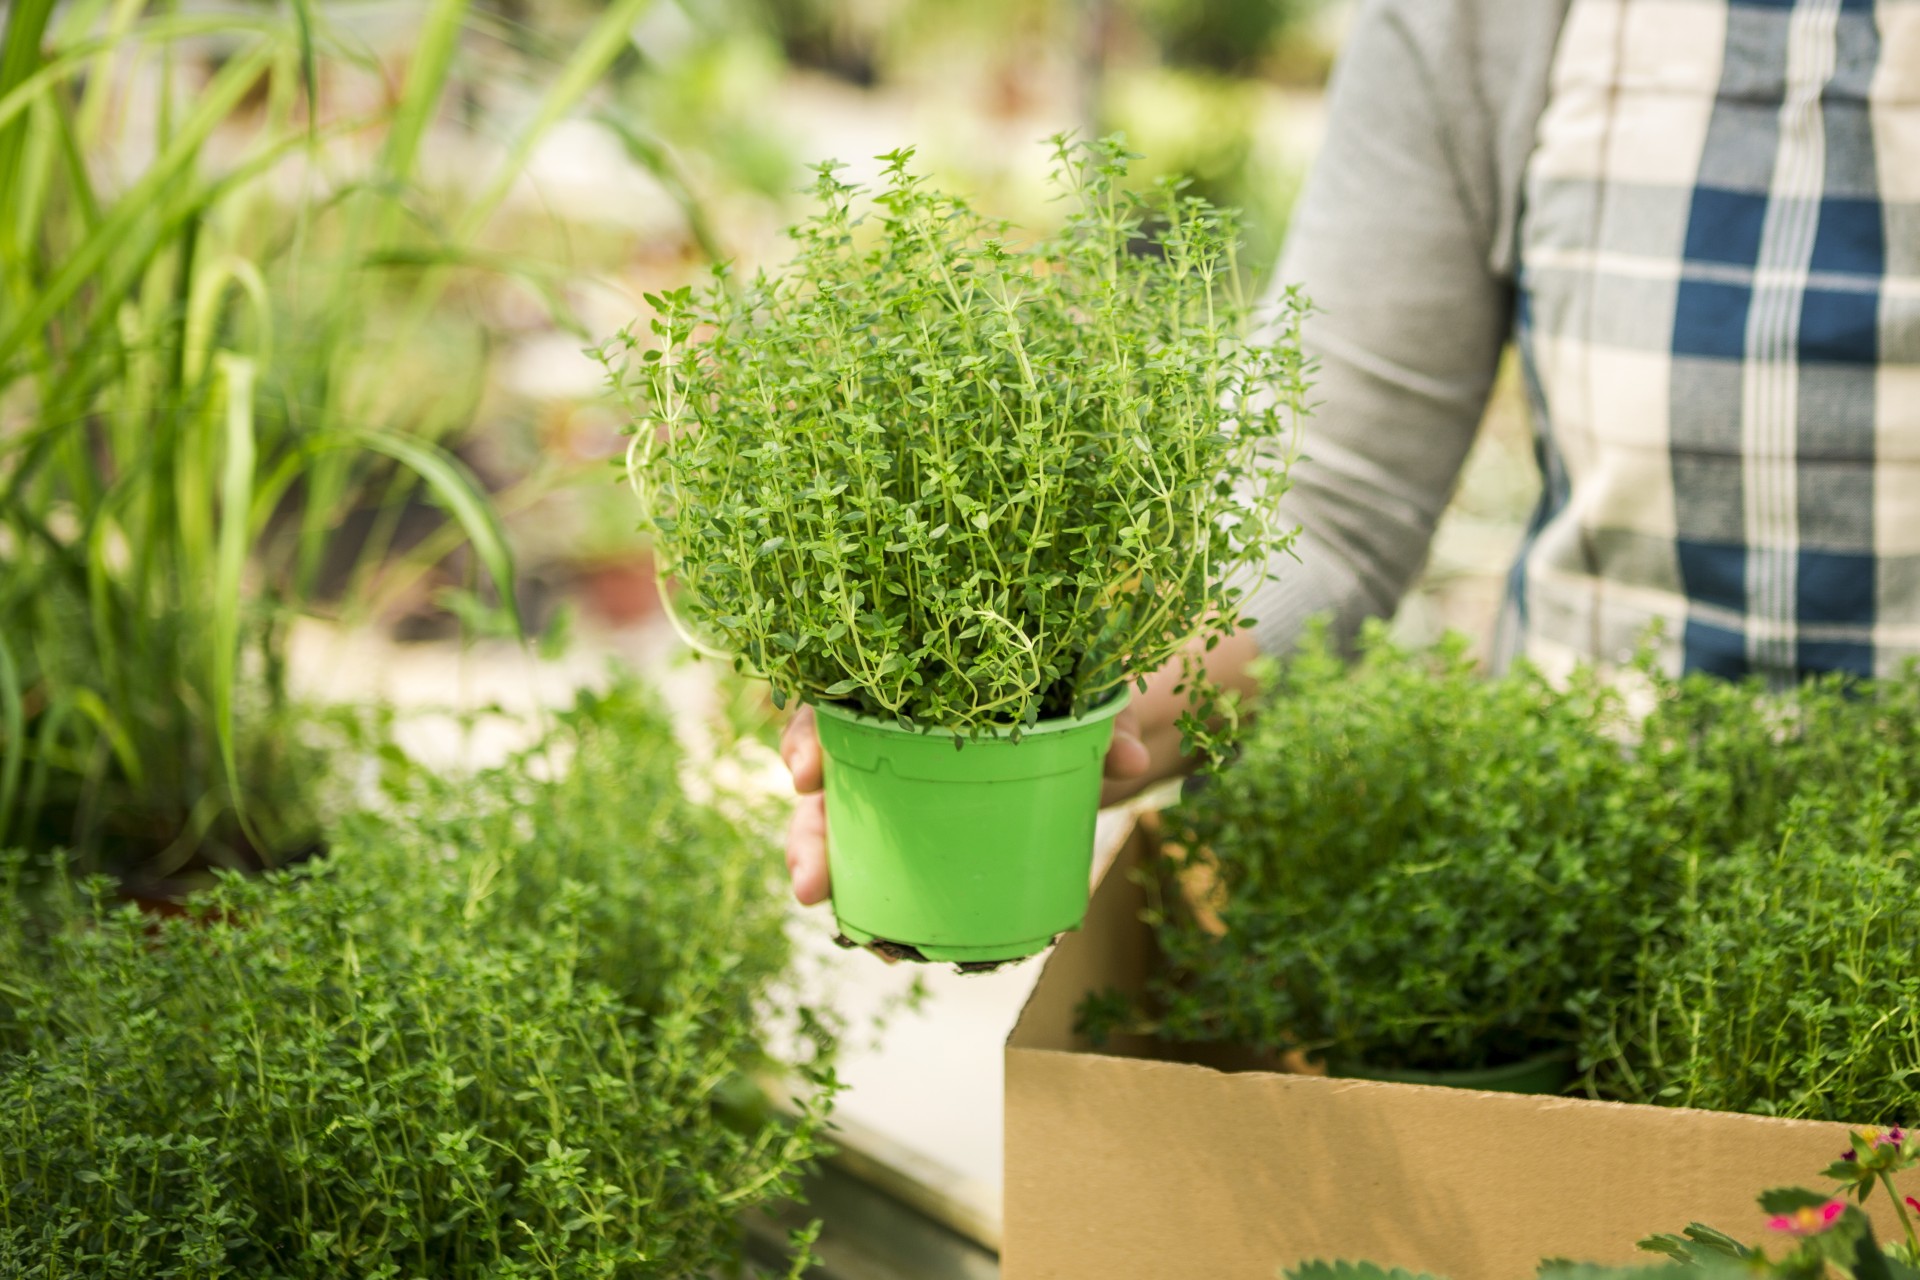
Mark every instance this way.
x=1780 y=969
x=203 y=378
x=491 y=1035
x=1415 y=869
x=961 y=482
x=1709 y=901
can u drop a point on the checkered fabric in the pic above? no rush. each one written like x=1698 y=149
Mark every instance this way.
x=1719 y=326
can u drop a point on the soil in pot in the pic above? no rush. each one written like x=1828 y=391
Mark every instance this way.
x=894 y=952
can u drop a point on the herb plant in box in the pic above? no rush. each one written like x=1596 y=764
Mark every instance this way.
x=1410 y=873
x=1779 y=971
x=958 y=491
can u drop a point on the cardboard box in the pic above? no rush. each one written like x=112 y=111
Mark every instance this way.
x=1119 y=1165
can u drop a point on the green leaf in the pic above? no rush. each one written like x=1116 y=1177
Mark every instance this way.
x=1700 y=1242
x=1866 y=1261
x=212 y=106
x=1319 y=1270
x=20 y=57
x=461 y=495
x=1788 y=1199
x=429 y=64
x=235 y=539
x=89 y=704
x=13 y=722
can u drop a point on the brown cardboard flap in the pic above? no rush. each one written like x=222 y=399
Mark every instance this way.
x=1110 y=949
x=1119 y=1167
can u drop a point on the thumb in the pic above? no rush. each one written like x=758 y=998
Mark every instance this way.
x=1127 y=757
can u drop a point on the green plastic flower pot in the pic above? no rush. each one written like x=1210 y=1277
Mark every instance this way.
x=971 y=853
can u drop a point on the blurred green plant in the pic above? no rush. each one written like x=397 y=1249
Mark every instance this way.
x=846 y=39
x=202 y=382
x=510 y=1027
x=1207 y=128
x=1221 y=35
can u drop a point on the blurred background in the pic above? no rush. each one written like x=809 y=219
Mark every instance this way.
x=570 y=157
x=375 y=242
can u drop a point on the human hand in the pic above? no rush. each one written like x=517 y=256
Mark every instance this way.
x=1127 y=765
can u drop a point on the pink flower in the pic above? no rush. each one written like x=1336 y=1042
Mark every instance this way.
x=1914 y=1203
x=1808 y=1221
x=1876 y=1138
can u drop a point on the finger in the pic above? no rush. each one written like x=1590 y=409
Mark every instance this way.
x=800 y=748
x=1128 y=756
x=807 y=850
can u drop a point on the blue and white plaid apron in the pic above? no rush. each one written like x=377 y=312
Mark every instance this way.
x=1719 y=326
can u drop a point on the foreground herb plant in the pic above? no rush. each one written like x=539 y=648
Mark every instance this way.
x=492 y=1035
x=958 y=481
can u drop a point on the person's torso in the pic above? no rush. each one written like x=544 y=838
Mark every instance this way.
x=1719 y=278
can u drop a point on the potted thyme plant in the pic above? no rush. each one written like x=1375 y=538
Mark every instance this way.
x=1410 y=873
x=1698 y=894
x=1779 y=973
x=958 y=492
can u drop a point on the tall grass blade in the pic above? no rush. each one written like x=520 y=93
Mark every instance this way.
x=236 y=375
x=93 y=707
x=83 y=57
x=433 y=54
x=309 y=62
x=657 y=160
x=215 y=103
x=461 y=495
x=19 y=59
x=609 y=35
x=94 y=98
x=13 y=719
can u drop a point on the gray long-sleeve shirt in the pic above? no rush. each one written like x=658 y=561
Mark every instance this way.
x=1404 y=239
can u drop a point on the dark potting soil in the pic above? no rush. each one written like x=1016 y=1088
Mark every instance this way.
x=893 y=952
x=151 y=891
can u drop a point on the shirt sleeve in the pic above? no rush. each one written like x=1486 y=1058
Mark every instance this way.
x=1396 y=241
